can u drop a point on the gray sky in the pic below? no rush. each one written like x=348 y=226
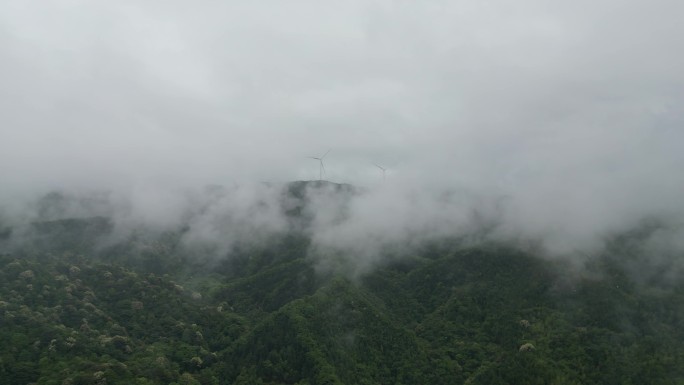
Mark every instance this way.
x=572 y=110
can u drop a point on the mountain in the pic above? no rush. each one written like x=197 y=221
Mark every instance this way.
x=145 y=309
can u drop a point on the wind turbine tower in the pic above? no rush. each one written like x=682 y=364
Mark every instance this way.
x=383 y=171
x=321 y=169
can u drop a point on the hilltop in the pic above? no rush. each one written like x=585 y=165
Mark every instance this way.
x=81 y=306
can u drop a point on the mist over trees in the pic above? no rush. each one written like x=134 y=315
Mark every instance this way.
x=365 y=192
x=83 y=302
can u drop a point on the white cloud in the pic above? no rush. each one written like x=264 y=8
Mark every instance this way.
x=572 y=110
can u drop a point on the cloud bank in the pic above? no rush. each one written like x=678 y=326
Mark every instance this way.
x=561 y=121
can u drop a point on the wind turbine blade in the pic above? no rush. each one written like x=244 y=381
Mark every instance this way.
x=326 y=153
x=322 y=166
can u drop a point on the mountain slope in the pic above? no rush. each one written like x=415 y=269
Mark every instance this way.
x=145 y=308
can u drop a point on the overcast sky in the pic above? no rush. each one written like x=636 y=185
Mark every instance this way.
x=570 y=109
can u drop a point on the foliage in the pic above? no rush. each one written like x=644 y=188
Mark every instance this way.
x=445 y=315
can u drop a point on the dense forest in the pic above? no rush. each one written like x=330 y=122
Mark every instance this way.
x=147 y=309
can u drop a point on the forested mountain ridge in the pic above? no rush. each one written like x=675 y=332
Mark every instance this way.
x=146 y=311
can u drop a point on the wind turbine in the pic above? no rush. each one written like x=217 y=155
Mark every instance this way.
x=321 y=169
x=383 y=171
